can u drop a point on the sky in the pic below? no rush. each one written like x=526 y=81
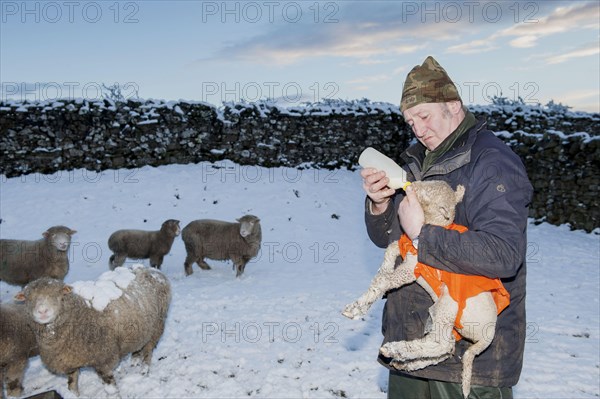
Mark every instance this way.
x=299 y=51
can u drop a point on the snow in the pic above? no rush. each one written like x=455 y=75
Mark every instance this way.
x=277 y=332
x=109 y=286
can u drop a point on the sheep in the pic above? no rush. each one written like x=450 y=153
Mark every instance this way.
x=95 y=324
x=17 y=345
x=448 y=314
x=218 y=240
x=141 y=244
x=24 y=261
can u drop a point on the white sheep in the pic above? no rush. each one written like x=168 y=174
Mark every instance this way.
x=24 y=261
x=478 y=313
x=142 y=244
x=96 y=324
x=17 y=345
x=218 y=240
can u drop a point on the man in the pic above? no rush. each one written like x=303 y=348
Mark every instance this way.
x=455 y=147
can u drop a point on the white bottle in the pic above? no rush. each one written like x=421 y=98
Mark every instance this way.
x=371 y=158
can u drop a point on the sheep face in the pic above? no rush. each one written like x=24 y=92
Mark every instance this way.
x=43 y=299
x=438 y=200
x=248 y=224
x=171 y=226
x=59 y=236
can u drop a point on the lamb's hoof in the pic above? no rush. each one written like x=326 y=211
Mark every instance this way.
x=392 y=351
x=145 y=369
x=353 y=311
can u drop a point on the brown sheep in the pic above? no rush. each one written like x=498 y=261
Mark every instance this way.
x=142 y=244
x=24 y=261
x=17 y=345
x=218 y=240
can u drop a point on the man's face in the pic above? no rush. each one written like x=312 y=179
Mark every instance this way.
x=431 y=123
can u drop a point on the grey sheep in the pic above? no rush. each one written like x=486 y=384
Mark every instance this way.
x=218 y=240
x=81 y=326
x=24 y=261
x=17 y=345
x=141 y=244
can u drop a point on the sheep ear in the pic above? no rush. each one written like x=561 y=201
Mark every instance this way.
x=444 y=212
x=71 y=232
x=67 y=289
x=45 y=234
x=20 y=297
x=238 y=220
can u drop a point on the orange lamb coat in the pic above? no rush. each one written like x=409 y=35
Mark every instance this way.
x=460 y=286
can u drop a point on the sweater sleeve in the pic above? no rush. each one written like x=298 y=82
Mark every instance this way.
x=381 y=227
x=496 y=208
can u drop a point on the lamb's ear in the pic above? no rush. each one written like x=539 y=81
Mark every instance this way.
x=45 y=234
x=20 y=297
x=71 y=232
x=67 y=289
x=444 y=211
x=460 y=193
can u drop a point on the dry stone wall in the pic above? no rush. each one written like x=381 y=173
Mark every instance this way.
x=561 y=150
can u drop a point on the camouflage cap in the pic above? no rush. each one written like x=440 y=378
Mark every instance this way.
x=427 y=83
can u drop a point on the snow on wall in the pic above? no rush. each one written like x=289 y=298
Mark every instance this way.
x=559 y=148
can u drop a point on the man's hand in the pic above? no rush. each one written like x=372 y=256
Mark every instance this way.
x=411 y=214
x=375 y=185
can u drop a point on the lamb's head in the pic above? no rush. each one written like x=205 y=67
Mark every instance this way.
x=171 y=227
x=438 y=200
x=249 y=225
x=59 y=237
x=43 y=299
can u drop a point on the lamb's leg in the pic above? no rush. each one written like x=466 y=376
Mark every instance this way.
x=386 y=278
x=73 y=381
x=419 y=364
x=437 y=343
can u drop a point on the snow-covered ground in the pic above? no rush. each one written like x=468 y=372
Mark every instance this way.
x=277 y=331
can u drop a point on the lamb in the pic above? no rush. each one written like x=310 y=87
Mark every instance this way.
x=450 y=312
x=17 y=345
x=24 y=261
x=141 y=244
x=96 y=324
x=218 y=240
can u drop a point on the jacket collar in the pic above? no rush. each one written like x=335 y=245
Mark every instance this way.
x=458 y=156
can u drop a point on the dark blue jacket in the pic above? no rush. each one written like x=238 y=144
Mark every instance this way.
x=495 y=210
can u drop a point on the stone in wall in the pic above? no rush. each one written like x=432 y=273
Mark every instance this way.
x=559 y=149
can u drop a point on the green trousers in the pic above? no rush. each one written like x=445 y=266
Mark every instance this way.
x=405 y=387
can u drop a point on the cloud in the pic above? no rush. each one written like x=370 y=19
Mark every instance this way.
x=370 y=79
x=524 y=41
x=527 y=34
x=475 y=46
x=586 y=51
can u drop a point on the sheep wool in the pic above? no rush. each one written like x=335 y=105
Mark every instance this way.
x=72 y=332
x=142 y=244
x=17 y=345
x=219 y=240
x=478 y=313
x=23 y=261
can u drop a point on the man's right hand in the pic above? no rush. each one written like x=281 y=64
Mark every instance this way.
x=375 y=184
